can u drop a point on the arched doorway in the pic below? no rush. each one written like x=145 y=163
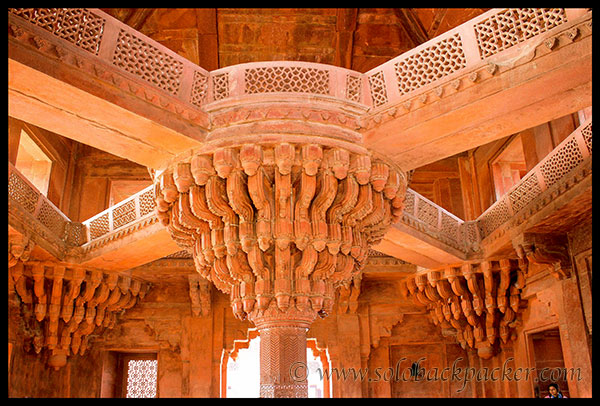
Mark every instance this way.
x=240 y=369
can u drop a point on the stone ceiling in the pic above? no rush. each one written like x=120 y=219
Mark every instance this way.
x=359 y=39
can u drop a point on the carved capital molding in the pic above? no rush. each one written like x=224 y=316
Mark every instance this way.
x=63 y=306
x=279 y=221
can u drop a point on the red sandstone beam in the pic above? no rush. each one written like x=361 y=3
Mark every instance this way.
x=52 y=104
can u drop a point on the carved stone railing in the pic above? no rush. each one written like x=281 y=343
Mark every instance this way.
x=457 y=51
x=123 y=49
x=129 y=52
x=569 y=155
x=424 y=215
x=119 y=48
x=121 y=218
x=419 y=213
x=36 y=214
x=288 y=77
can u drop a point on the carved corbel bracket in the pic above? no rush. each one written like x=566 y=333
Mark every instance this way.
x=381 y=326
x=545 y=250
x=19 y=248
x=478 y=302
x=200 y=295
x=348 y=296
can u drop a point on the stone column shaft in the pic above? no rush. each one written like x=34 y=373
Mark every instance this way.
x=283 y=362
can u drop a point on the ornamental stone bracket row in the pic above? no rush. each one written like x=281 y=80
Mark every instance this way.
x=477 y=302
x=60 y=307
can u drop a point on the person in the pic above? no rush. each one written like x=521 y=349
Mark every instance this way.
x=554 y=391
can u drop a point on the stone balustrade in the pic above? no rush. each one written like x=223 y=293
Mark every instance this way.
x=457 y=51
x=566 y=157
x=116 y=218
x=428 y=217
x=129 y=52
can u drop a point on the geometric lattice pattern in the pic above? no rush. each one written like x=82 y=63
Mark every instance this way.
x=199 y=89
x=52 y=219
x=450 y=227
x=430 y=64
x=79 y=26
x=562 y=162
x=378 y=91
x=124 y=214
x=147 y=62
x=353 y=87
x=141 y=378
x=505 y=29
x=494 y=218
x=527 y=190
x=220 y=86
x=99 y=226
x=409 y=202
x=587 y=136
x=147 y=202
x=293 y=79
x=427 y=213
x=22 y=193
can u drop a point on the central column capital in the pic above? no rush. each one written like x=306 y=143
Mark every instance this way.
x=274 y=317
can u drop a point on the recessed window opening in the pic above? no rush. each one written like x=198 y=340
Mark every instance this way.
x=33 y=163
x=121 y=189
x=508 y=167
x=243 y=372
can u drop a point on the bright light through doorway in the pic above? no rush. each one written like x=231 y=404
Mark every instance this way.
x=243 y=374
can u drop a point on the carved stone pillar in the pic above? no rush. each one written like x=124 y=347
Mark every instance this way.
x=279 y=208
x=279 y=227
x=283 y=351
